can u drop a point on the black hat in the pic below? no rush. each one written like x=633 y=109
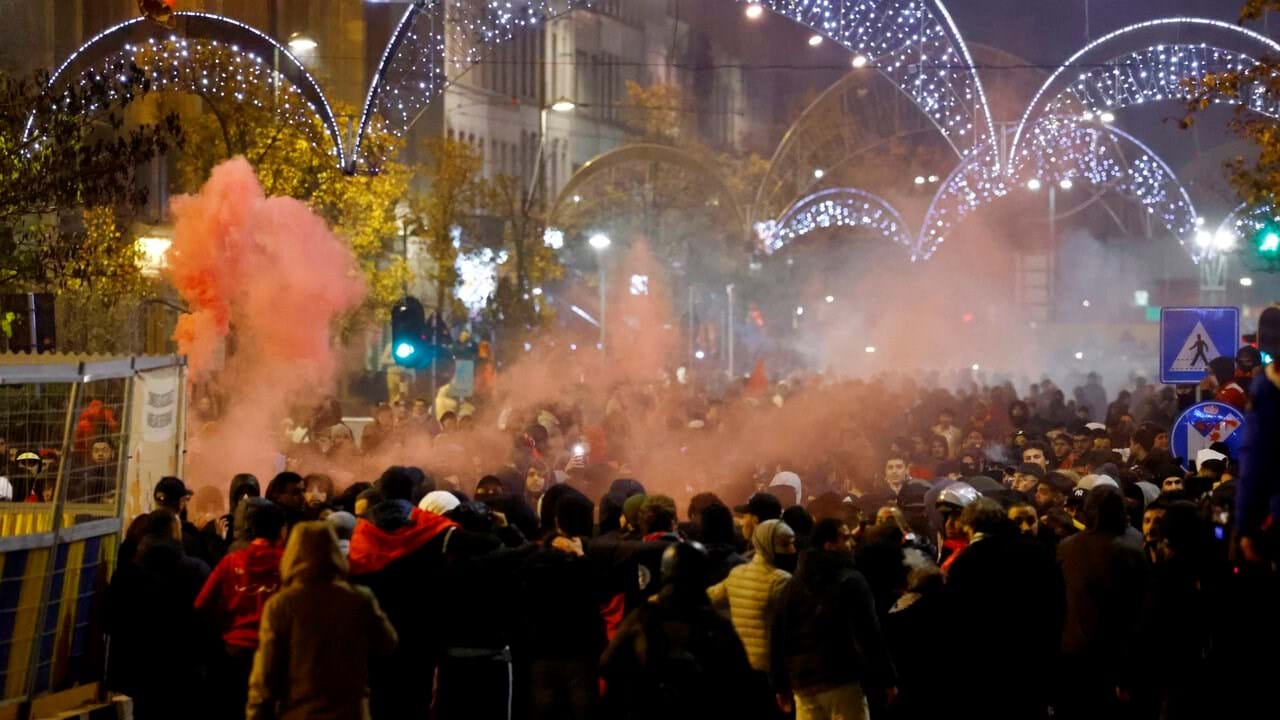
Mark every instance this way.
x=1031 y=469
x=1060 y=482
x=763 y=505
x=1077 y=497
x=170 y=490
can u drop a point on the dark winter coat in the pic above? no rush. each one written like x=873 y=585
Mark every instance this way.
x=1258 y=496
x=1008 y=581
x=150 y=616
x=825 y=633
x=1104 y=577
x=677 y=659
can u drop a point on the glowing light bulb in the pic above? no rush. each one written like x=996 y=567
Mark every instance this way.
x=754 y=11
x=815 y=40
x=860 y=61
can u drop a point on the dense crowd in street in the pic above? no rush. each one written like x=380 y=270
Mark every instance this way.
x=915 y=552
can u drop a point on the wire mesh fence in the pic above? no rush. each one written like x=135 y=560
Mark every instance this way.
x=70 y=464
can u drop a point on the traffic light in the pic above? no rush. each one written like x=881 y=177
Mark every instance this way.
x=409 y=336
x=1269 y=241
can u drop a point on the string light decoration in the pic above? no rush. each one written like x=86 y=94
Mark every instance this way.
x=210 y=55
x=832 y=208
x=914 y=43
x=1066 y=133
x=1258 y=43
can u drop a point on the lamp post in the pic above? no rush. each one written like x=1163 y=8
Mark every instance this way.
x=561 y=105
x=600 y=243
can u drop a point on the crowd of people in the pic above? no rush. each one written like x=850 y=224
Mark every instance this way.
x=770 y=550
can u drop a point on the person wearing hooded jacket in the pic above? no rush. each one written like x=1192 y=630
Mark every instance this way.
x=676 y=658
x=399 y=553
x=317 y=637
x=233 y=597
x=825 y=637
x=220 y=534
x=751 y=594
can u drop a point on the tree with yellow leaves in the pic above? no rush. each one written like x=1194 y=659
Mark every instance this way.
x=297 y=159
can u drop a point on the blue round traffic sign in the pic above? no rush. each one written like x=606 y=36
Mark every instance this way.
x=1203 y=425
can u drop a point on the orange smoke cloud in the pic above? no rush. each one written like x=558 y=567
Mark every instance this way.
x=269 y=269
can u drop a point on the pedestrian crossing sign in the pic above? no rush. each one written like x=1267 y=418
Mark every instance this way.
x=1191 y=337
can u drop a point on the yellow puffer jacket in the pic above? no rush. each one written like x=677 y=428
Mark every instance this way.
x=751 y=593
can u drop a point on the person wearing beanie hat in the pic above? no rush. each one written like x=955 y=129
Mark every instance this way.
x=439 y=502
x=759 y=508
x=344 y=524
x=631 y=515
x=1028 y=476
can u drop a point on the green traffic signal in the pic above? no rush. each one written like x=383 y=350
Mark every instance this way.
x=1269 y=242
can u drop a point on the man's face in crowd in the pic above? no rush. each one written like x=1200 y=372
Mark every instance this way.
x=945 y=420
x=1150 y=519
x=1172 y=483
x=1061 y=446
x=419 y=408
x=843 y=543
x=1161 y=442
x=951 y=526
x=749 y=523
x=1035 y=455
x=535 y=481
x=974 y=440
x=1024 y=516
x=895 y=473
x=1081 y=444
x=1025 y=483
x=1047 y=497
x=293 y=496
x=101 y=453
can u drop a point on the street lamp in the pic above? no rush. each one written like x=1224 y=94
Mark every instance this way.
x=601 y=242
x=755 y=11
x=1034 y=184
x=860 y=61
x=299 y=43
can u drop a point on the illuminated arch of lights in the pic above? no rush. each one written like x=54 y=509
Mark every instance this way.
x=914 y=43
x=177 y=60
x=834 y=208
x=1061 y=132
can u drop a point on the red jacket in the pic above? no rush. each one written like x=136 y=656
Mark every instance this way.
x=237 y=590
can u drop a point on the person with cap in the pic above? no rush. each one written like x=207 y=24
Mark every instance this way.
x=149 y=604
x=676 y=657
x=1052 y=492
x=752 y=591
x=759 y=508
x=317 y=637
x=233 y=598
x=1105 y=578
x=172 y=494
x=1004 y=579
x=631 y=516
x=827 y=648
x=1028 y=476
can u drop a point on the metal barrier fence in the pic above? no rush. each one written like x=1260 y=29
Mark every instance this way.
x=81 y=444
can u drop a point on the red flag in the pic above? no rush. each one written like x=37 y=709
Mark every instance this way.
x=759 y=381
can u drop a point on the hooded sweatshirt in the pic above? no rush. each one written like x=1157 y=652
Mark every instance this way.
x=790 y=480
x=752 y=591
x=300 y=673
x=238 y=589
x=397 y=529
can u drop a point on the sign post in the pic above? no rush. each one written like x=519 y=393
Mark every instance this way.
x=1203 y=425
x=1190 y=337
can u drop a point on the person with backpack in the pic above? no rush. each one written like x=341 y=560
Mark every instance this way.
x=826 y=641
